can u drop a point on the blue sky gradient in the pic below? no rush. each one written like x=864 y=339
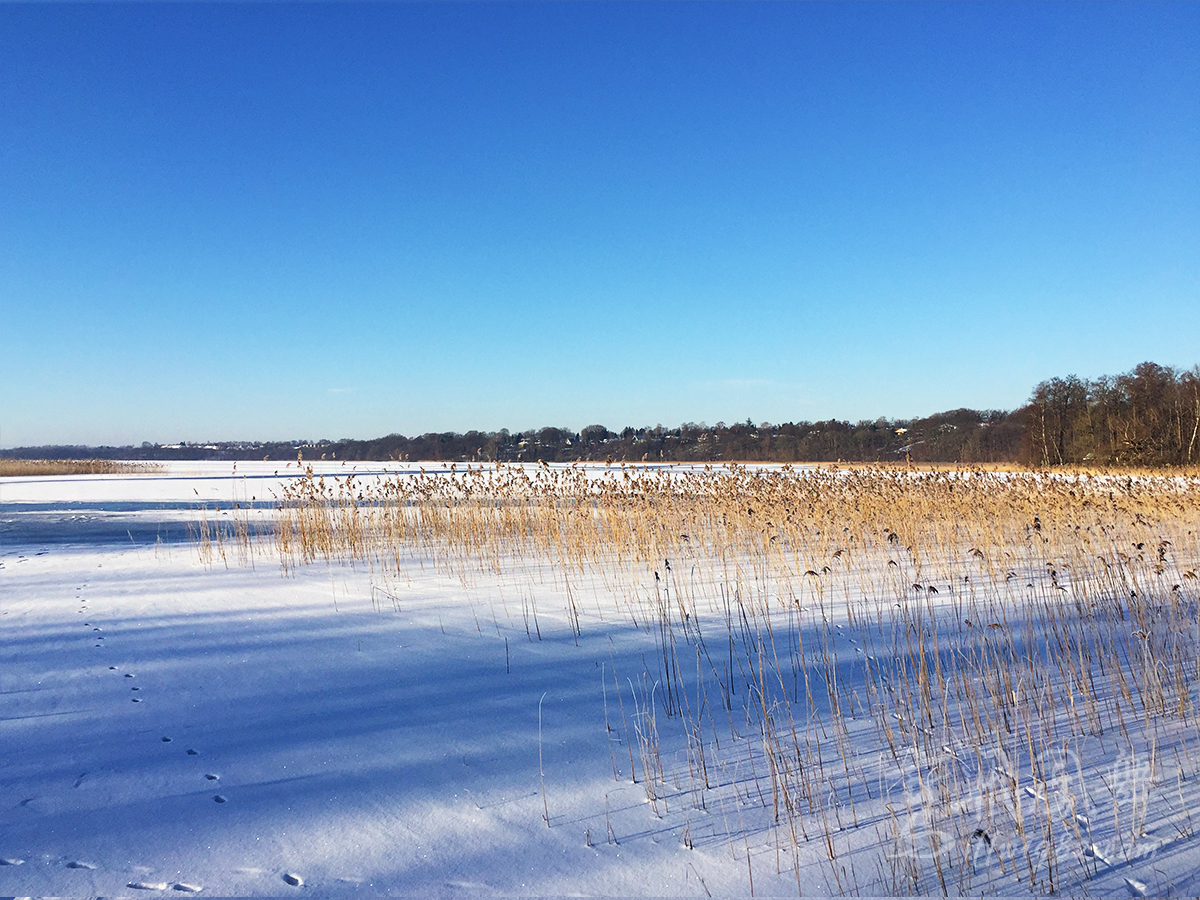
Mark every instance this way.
x=271 y=221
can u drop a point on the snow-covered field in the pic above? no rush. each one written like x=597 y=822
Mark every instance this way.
x=177 y=716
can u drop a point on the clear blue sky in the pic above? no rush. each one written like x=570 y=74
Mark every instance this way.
x=274 y=221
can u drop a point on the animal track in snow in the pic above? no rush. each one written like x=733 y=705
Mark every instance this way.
x=188 y=888
x=148 y=885
x=80 y=864
x=293 y=879
x=219 y=799
x=137 y=699
x=11 y=861
x=166 y=740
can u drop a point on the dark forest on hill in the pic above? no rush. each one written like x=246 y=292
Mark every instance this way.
x=1147 y=417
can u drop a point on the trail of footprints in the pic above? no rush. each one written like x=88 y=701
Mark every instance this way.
x=290 y=878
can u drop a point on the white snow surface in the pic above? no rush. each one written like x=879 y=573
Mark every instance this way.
x=167 y=724
x=367 y=750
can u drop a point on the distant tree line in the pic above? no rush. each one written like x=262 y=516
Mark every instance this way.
x=1150 y=416
x=963 y=435
x=1147 y=417
x=959 y=435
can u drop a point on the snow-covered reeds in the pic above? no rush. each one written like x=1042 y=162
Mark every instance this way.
x=989 y=678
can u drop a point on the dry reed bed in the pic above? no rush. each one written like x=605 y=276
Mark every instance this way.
x=10 y=468
x=951 y=666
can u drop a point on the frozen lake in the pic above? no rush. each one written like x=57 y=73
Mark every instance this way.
x=445 y=721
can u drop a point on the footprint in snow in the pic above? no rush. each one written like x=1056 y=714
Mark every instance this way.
x=192 y=752
x=187 y=888
x=219 y=799
x=80 y=864
x=1136 y=888
x=212 y=777
x=11 y=861
x=166 y=740
x=1093 y=852
x=137 y=699
x=79 y=780
x=148 y=885
x=135 y=688
x=293 y=879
